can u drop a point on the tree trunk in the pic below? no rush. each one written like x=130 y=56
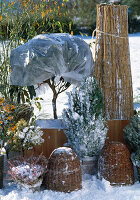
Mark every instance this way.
x=54 y=106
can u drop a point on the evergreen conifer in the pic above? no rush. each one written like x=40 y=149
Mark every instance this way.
x=84 y=119
x=132 y=133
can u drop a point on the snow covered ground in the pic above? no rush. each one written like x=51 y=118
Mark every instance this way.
x=46 y=93
x=93 y=189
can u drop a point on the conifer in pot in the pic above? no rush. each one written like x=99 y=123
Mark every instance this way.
x=85 y=120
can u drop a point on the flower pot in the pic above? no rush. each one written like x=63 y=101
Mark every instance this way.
x=89 y=165
x=1 y=170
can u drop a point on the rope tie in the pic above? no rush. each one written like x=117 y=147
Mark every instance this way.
x=113 y=35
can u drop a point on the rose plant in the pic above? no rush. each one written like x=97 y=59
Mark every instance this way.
x=28 y=172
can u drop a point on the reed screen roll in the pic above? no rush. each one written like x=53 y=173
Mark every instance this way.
x=112 y=61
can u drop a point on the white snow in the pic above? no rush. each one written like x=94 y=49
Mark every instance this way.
x=134 y=42
x=46 y=93
x=51 y=124
x=63 y=150
x=92 y=189
x=27 y=59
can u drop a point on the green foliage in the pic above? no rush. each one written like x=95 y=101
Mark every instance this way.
x=7 y=120
x=132 y=133
x=85 y=13
x=133 y=13
x=136 y=158
x=22 y=94
x=84 y=119
x=134 y=6
x=25 y=136
x=25 y=19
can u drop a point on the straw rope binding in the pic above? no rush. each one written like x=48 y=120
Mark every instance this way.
x=112 y=35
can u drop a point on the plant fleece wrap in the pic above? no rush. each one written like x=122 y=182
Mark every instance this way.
x=49 y=55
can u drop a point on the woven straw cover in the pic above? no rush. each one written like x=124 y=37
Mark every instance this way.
x=112 y=61
x=24 y=111
x=64 y=171
x=115 y=165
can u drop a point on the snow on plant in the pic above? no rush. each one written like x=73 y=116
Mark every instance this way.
x=135 y=157
x=2 y=151
x=84 y=119
x=132 y=133
x=27 y=171
x=132 y=138
x=26 y=135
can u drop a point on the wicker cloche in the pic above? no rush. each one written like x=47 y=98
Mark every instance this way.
x=115 y=165
x=63 y=171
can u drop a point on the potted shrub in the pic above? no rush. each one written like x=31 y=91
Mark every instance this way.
x=25 y=136
x=28 y=172
x=86 y=124
x=132 y=139
x=132 y=133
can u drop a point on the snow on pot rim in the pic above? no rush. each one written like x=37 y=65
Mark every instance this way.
x=51 y=124
x=89 y=158
x=63 y=150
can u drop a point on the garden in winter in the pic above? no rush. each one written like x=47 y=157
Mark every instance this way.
x=69 y=100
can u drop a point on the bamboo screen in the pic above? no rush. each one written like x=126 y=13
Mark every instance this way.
x=112 y=61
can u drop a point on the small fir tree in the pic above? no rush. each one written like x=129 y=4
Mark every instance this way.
x=84 y=119
x=132 y=133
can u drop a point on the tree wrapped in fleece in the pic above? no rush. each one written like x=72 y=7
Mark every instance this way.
x=84 y=119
